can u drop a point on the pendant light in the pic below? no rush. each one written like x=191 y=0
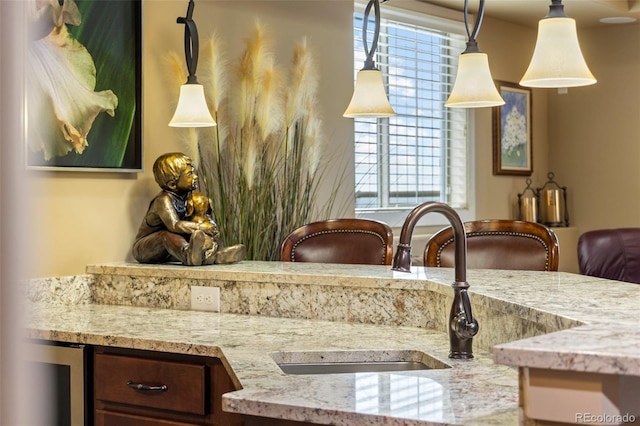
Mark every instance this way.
x=192 y=110
x=369 y=98
x=557 y=59
x=474 y=86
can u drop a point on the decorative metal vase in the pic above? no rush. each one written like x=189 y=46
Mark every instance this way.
x=553 y=203
x=528 y=204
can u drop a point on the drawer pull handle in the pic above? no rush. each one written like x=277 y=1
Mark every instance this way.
x=143 y=387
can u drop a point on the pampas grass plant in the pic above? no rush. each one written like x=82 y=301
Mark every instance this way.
x=260 y=165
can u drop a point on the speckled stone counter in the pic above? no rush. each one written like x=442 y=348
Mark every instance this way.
x=606 y=348
x=245 y=343
x=305 y=307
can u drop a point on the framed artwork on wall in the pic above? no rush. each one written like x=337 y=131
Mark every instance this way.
x=84 y=86
x=512 y=141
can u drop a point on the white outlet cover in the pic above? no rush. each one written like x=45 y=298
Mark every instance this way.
x=205 y=298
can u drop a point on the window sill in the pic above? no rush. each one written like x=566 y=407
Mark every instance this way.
x=396 y=217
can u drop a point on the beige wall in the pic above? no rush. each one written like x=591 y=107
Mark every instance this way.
x=93 y=217
x=509 y=48
x=594 y=133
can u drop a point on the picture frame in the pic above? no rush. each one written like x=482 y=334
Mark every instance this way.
x=63 y=130
x=512 y=131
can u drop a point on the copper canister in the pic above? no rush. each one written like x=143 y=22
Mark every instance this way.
x=552 y=207
x=528 y=208
x=553 y=198
x=528 y=204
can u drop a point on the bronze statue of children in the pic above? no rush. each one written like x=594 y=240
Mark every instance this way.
x=166 y=233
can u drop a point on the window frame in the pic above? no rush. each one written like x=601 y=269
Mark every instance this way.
x=437 y=18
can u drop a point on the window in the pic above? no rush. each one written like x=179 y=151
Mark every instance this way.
x=422 y=153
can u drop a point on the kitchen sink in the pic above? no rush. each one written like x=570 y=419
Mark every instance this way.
x=351 y=367
x=360 y=361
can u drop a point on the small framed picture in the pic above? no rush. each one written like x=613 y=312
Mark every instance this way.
x=512 y=142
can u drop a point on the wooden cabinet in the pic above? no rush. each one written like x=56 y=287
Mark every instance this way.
x=144 y=388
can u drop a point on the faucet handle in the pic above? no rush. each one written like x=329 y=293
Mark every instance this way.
x=463 y=328
x=402 y=259
x=463 y=323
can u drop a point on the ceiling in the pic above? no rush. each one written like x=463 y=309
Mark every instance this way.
x=587 y=13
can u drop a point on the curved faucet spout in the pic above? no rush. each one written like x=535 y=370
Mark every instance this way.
x=462 y=325
x=402 y=260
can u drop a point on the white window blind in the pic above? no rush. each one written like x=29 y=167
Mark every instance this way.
x=420 y=154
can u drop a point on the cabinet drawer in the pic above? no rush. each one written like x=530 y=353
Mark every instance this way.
x=185 y=383
x=106 y=418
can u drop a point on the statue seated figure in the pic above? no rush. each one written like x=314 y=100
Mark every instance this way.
x=178 y=226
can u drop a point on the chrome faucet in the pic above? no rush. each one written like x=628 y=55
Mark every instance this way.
x=462 y=325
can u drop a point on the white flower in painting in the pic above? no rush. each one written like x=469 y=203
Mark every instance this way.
x=514 y=132
x=61 y=78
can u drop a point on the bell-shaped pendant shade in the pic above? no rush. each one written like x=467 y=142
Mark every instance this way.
x=192 y=110
x=474 y=87
x=369 y=98
x=557 y=59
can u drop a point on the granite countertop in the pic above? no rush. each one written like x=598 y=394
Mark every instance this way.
x=599 y=316
x=606 y=348
x=471 y=392
x=566 y=298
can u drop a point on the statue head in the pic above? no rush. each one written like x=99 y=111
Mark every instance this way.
x=170 y=167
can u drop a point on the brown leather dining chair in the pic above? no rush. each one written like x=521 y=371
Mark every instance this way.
x=610 y=253
x=498 y=244
x=352 y=241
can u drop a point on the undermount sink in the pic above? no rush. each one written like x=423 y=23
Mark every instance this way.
x=360 y=361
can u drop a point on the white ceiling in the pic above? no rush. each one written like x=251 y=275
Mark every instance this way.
x=587 y=13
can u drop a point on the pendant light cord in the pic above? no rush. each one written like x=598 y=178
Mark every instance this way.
x=191 y=43
x=369 y=63
x=556 y=10
x=472 y=43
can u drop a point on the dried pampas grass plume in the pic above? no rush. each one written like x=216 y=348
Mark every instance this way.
x=313 y=134
x=304 y=82
x=259 y=55
x=215 y=82
x=269 y=114
x=257 y=59
x=176 y=74
x=251 y=157
x=213 y=77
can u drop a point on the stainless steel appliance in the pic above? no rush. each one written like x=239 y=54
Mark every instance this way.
x=58 y=379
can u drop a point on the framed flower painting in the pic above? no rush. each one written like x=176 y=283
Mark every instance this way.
x=83 y=86
x=512 y=142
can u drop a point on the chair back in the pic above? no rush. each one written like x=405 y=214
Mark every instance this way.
x=610 y=253
x=352 y=241
x=498 y=244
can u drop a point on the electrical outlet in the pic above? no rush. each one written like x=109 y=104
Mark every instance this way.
x=205 y=298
